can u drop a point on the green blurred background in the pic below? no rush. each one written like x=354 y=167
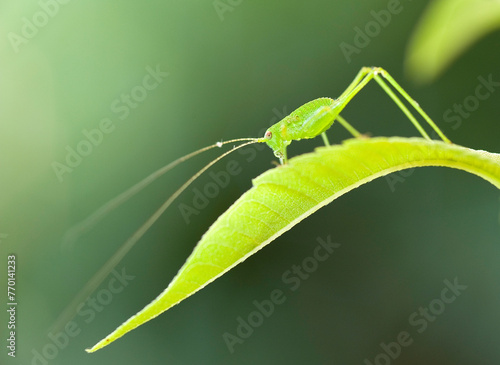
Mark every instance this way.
x=231 y=74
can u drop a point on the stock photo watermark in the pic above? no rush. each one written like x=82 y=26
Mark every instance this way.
x=30 y=26
x=121 y=107
x=221 y=179
x=363 y=36
x=398 y=177
x=292 y=279
x=223 y=6
x=401 y=175
x=86 y=312
x=455 y=116
x=11 y=305
x=460 y=111
x=419 y=322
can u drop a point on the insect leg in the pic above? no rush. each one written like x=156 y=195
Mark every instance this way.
x=284 y=159
x=348 y=126
x=369 y=74
x=325 y=139
x=379 y=71
x=361 y=74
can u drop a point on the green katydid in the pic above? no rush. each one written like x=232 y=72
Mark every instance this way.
x=308 y=121
x=316 y=116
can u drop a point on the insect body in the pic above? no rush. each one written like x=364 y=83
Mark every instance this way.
x=308 y=121
x=315 y=117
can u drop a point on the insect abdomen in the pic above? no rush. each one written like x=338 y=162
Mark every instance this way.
x=308 y=109
x=310 y=119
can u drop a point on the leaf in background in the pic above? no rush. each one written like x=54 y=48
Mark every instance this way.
x=445 y=30
x=282 y=197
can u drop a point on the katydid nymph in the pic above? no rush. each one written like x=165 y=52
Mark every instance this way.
x=315 y=117
x=308 y=121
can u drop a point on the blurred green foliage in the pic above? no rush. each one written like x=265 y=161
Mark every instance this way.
x=446 y=30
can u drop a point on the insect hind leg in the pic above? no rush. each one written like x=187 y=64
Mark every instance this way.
x=380 y=80
x=359 y=77
x=365 y=75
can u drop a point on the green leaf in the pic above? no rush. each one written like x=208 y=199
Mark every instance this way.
x=282 y=197
x=447 y=29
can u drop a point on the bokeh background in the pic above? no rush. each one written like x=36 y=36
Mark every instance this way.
x=233 y=69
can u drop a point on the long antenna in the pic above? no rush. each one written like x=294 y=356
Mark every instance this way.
x=103 y=272
x=75 y=232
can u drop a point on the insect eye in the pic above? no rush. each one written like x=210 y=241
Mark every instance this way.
x=268 y=135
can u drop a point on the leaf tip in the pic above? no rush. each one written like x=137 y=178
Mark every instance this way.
x=98 y=346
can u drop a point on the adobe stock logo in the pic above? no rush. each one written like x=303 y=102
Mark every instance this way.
x=86 y=311
x=363 y=37
x=224 y=6
x=221 y=179
x=31 y=26
x=454 y=116
x=265 y=308
x=419 y=320
x=459 y=112
x=121 y=107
